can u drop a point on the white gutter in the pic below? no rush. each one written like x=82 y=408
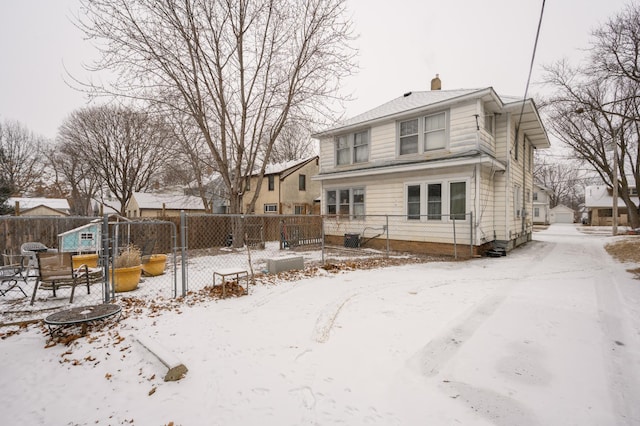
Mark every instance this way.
x=425 y=165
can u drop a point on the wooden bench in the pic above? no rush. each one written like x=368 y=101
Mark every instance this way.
x=236 y=273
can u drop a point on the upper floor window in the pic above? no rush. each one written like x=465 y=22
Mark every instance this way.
x=422 y=134
x=352 y=148
x=434 y=132
x=535 y=196
x=271 y=182
x=302 y=182
x=489 y=123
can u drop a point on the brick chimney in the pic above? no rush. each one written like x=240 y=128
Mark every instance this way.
x=436 y=84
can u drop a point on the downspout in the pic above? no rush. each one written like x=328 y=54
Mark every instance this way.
x=507 y=180
x=524 y=181
x=474 y=237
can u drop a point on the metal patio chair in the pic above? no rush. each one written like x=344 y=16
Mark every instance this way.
x=13 y=273
x=56 y=270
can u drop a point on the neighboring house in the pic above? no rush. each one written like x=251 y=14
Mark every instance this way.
x=598 y=201
x=144 y=204
x=286 y=188
x=541 y=197
x=435 y=159
x=562 y=214
x=39 y=206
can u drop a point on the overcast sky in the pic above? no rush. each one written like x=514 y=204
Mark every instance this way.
x=402 y=44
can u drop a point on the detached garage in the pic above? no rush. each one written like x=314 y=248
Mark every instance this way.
x=561 y=214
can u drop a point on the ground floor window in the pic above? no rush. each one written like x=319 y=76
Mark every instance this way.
x=536 y=212
x=346 y=202
x=270 y=208
x=298 y=209
x=428 y=199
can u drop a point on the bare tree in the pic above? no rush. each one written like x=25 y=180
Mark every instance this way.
x=123 y=148
x=192 y=162
x=5 y=188
x=294 y=143
x=22 y=163
x=562 y=179
x=595 y=107
x=73 y=176
x=239 y=69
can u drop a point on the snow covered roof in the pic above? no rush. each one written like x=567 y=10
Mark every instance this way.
x=29 y=203
x=600 y=196
x=148 y=200
x=408 y=102
x=277 y=168
x=414 y=102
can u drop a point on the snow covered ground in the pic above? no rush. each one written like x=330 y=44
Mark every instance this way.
x=549 y=335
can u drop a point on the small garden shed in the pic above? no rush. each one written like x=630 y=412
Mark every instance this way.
x=84 y=239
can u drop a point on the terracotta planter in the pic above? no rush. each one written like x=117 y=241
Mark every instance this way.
x=127 y=279
x=154 y=265
x=91 y=260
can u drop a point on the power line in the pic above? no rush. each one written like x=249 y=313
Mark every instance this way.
x=533 y=57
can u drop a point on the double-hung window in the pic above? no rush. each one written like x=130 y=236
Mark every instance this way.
x=422 y=134
x=352 y=148
x=346 y=202
x=458 y=200
x=413 y=202
x=435 y=132
x=409 y=137
x=434 y=201
x=343 y=150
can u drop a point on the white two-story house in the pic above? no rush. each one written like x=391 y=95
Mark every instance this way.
x=438 y=171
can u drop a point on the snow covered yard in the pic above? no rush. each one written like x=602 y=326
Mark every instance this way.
x=549 y=335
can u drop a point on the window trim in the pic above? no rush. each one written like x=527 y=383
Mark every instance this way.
x=422 y=132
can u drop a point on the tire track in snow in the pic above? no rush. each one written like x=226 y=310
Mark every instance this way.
x=437 y=352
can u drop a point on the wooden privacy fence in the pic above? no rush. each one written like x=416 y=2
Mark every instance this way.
x=204 y=230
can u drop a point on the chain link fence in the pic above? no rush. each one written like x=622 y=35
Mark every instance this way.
x=192 y=253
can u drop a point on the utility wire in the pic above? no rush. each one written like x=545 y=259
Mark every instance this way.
x=533 y=57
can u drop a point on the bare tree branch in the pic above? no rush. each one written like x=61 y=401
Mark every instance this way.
x=239 y=69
